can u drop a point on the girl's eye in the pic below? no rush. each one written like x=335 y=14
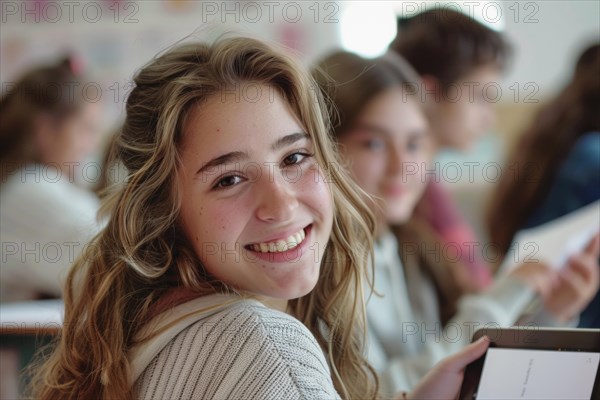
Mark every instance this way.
x=228 y=181
x=295 y=158
x=374 y=144
x=413 y=145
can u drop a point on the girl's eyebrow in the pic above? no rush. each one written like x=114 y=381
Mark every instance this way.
x=289 y=139
x=237 y=156
x=382 y=131
x=372 y=128
x=234 y=156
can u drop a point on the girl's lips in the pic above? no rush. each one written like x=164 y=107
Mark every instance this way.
x=287 y=256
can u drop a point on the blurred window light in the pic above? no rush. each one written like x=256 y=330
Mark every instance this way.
x=367 y=27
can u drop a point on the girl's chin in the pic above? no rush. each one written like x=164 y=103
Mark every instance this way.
x=289 y=294
x=398 y=218
x=293 y=284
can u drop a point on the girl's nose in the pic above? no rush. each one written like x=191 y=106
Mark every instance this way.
x=278 y=200
x=395 y=158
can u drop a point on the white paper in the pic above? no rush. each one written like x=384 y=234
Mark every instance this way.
x=510 y=374
x=555 y=241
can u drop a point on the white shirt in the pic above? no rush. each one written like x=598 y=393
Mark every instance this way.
x=45 y=223
x=405 y=336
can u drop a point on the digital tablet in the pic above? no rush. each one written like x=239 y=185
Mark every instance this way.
x=535 y=363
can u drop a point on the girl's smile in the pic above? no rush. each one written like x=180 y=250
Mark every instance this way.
x=292 y=248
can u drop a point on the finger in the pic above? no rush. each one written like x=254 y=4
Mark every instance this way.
x=583 y=265
x=573 y=280
x=545 y=288
x=458 y=361
x=593 y=246
x=546 y=283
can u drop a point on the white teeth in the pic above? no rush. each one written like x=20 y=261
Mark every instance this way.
x=280 y=245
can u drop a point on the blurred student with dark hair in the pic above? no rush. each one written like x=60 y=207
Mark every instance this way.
x=452 y=52
x=562 y=150
x=48 y=128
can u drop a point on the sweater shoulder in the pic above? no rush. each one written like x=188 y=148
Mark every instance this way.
x=243 y=351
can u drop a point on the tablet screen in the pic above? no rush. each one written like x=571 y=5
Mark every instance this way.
x=537 y=374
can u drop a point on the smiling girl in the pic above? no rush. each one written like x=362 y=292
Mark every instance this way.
x=232 y=264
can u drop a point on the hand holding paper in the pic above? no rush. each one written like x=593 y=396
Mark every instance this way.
x=577 y=283
x=554 y=242
x=559 y=260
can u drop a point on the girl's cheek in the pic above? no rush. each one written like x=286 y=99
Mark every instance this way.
x=375 y=169
x=312 y=178
x=224 y=214
x=313 y=185
x=365 y=164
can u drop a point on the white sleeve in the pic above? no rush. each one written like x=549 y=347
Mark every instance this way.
x=537 y=316
x=498 y=307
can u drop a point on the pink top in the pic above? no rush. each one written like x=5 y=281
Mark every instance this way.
x=437 y=208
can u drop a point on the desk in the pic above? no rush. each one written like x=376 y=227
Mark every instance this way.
x=25 y=327
x=31 y=317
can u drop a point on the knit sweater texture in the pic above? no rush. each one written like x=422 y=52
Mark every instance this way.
x=221 y=347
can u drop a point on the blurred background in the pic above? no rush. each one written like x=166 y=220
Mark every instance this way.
x=112 y=39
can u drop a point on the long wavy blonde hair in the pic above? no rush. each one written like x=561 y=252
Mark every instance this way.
x=142 y=252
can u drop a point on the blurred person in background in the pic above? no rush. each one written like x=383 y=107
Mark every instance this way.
x=456 y=57
x=48 y=129
x=384 y=137
x=559 y=160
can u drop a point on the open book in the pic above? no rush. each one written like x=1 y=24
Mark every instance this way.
x=555 y=241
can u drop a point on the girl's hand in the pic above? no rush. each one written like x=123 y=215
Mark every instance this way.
x=577 y=283
x=444 y=380
x=537 y=275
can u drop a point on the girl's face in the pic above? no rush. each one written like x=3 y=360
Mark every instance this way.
x=388 y=149
x=255 y=205
x=459 y=123
x=72 y=139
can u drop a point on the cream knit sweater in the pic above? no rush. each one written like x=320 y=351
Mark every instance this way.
x=222 y=347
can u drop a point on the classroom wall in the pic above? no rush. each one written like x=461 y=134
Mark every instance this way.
x=114 y=38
